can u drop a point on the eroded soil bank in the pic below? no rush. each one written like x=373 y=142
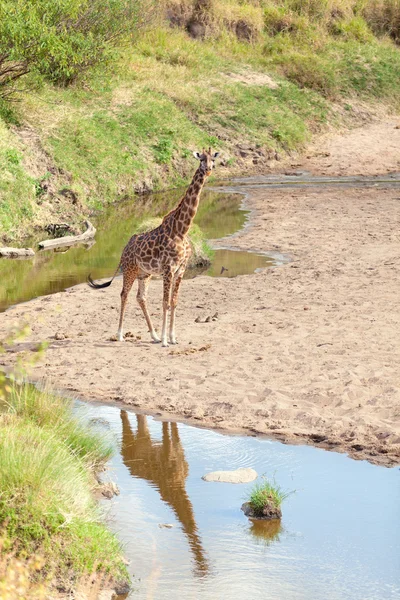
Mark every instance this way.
x=308 y=351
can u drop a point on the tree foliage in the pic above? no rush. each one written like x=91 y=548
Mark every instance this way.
x=61 y=38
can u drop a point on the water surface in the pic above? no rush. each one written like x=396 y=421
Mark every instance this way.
x=48 y=272
x=339 y=538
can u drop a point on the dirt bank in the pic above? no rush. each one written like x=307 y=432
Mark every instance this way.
x=308 y=351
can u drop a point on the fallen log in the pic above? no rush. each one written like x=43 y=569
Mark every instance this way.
x=16 y=252
x=69 y=240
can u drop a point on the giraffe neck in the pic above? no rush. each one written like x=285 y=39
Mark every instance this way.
x=185 y=212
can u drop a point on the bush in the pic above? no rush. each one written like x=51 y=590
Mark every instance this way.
x=312 y=71
x=61 y=38
x=278 y=20
x=243 y=19
x=353 y=29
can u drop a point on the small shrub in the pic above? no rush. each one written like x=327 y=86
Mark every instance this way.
x=278 y=20
x=315 y=9
x=244 y=20
x=353 y=29
x=311 y=71
x=7 y=113
x=163 y=150
x=12 y=156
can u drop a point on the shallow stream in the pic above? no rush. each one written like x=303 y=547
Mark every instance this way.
x=339 y=538
x=220 y=214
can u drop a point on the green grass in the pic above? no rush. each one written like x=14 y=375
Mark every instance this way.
x=48 y=457
x=264 y=493
x=132 y=124
x=17 y=189
x=52 y=413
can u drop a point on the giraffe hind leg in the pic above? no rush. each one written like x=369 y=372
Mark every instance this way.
x=167 y=285
x=142 y=301
x=174 y=301
x=129 y=276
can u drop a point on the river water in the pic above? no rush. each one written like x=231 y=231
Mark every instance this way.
x=339 y=538
x=220 y=214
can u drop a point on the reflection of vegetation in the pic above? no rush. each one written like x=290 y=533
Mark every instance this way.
x=202 y=252
x=266 y=531
x=49 y=272
x=164 y=466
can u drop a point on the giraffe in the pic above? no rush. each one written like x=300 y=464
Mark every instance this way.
x=164 y=251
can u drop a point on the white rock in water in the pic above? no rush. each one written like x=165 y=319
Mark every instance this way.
x=238 y=476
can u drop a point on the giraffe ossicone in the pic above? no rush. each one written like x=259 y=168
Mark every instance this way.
x=164 y=251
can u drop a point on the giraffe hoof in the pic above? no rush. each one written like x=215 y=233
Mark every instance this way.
x=174 y=342
x=156 y=341
x=165 y=344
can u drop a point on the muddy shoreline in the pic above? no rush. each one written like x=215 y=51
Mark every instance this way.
x=305 y=353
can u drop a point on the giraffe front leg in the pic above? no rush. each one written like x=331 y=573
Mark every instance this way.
x=166 y=304
x=174 y=302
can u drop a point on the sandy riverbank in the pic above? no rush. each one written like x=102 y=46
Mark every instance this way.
x=306 y=352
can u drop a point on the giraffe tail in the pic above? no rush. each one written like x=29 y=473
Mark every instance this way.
x=98 y=286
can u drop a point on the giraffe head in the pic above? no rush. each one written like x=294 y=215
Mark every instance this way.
x=207 y=160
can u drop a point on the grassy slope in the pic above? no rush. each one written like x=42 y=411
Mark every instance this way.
x=133 y=125
x=47 y=463
x=17 y=190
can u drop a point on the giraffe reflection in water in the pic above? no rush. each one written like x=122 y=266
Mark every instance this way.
x=163 y=464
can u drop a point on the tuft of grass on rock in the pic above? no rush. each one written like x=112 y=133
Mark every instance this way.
x=266 y=494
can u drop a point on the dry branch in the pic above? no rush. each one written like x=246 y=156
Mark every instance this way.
x=16 y=252
x=69 y=240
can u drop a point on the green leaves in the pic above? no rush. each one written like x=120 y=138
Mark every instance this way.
x=60 y=38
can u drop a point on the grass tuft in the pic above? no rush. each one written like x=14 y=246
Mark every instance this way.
x=266 y=493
